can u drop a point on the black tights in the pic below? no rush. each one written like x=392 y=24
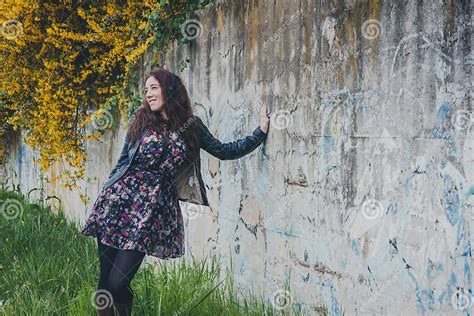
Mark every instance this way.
x=117 y=269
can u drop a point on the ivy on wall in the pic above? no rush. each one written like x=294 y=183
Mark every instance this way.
x=66 y=64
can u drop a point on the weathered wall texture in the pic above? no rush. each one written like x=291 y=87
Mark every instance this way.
x=362 y=195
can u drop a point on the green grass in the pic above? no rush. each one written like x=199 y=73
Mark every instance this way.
x=48 y=268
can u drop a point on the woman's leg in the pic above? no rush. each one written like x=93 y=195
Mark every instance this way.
x=107 y=256
x=103 y=297
x=125 y=266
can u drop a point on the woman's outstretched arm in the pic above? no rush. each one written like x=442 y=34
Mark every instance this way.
x=231 y=150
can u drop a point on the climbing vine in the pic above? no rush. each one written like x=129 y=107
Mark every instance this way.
x=67 y=64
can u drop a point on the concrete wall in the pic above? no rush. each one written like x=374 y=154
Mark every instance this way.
x=362 y=195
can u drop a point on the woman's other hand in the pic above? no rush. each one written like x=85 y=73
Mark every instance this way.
x=264 y=118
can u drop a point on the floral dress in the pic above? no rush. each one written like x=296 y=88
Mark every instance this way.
x=140 y=210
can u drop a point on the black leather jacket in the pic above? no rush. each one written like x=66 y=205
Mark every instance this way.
x=189 y=183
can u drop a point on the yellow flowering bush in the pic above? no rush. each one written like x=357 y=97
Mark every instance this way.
x=69 y=63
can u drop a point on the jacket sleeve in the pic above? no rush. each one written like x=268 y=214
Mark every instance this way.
x=231 y=150
x=124 y=153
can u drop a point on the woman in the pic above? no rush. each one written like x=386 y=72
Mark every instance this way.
x=138 y=212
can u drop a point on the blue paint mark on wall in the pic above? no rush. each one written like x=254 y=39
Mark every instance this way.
x=327 y=144
x=441 y=119
x=335 y=309
x=469 y=192
x=435 y=270
x=344 y=263
x=285 y=233
x=460 y=231
x=467 y=269
x=443 y=164
x=443 y=128
x=452 y=285
x=429 y=295
x=452 y=206
x=420 y=306
x=406 y=187
x=442 y=297
x=355 y=248
x=468 y=277
x=392 y=208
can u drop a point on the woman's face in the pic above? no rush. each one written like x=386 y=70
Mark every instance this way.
x=153 y=95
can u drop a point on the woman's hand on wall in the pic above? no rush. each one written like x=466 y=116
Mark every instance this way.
x=264 y=118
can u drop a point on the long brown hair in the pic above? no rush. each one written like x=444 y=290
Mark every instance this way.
x=178 y=109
